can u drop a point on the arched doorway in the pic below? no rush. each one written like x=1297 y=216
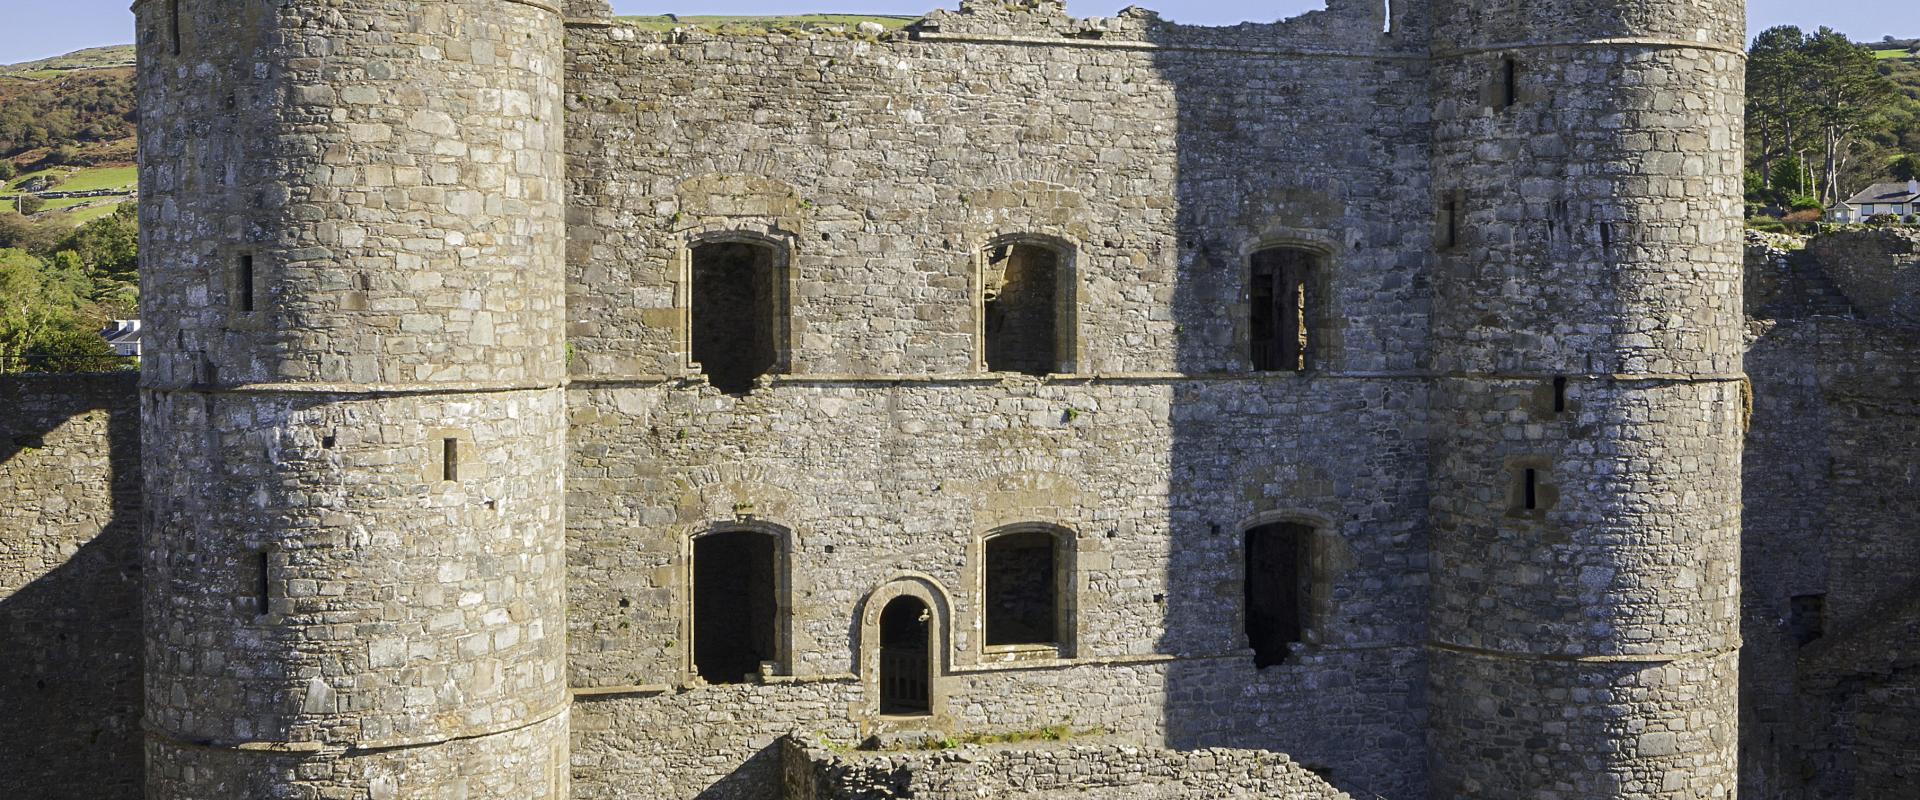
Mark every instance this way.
x=906 y=665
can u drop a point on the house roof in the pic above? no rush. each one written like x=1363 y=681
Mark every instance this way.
x=1886 y=193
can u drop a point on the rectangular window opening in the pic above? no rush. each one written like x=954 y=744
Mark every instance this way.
x=263 y=582
x=1022 y=602
x=1532 y=489
x=1022 y=307
x=1606 y=236
x=1278 y=589
x=738 y=312
x=1281 y=310
x=450 y=459
x=173 y=25
x=243 y=284
x=736 y=605
x=1807 y=618
x=1560 y=395
x=1450 y=221
x=1509 y=82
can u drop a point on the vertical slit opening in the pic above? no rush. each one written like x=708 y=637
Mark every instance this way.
x=1450 y=211
x=263 y=582
x=1560 y=395
x=1532 y=490
x=1606 y=236
x=173 y=25
x=1509 y=82
x=450 y=459
x=1387 y=26
x=243 y=283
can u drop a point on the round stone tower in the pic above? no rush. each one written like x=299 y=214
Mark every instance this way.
x=353 y=279
x=1586 y=503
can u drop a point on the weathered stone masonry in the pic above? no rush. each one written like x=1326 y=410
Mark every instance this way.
x=421 y=507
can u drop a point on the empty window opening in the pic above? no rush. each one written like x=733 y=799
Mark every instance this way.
x=906 y=664
x=1450 y=221
x=1807 y=618
x=1560 y=395
x=1277 y=589
x=1606 y=236
x=329 y=441
x=739 y=303
x=263 y=583
x=243 y=284
x=735 y=605
x=1022 y=603
x=1021 y=291
x=173 y=25
x=1509 y=83
x=450 y=459
x=1530 y=499
x=1282 y=306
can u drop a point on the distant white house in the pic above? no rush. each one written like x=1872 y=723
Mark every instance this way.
x=1897 y=199
x=124 y=337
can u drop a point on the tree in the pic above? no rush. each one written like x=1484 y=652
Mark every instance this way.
x=7 y=170
x=1848 y=95
x=1777 y=106
x=1905 y=168
x=30 y=205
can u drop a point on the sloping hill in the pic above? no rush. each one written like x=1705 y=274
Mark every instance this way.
x=67 y=124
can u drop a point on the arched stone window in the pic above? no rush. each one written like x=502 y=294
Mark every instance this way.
x=1285 y=314
x=1028 y=306
x=1026 y=597
x=739 y=605
x=737 y=325
x=1278 y=588
x=903 y=649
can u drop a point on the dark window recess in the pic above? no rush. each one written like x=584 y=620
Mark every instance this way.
x=1277 y=589
x=1022 y=589
x=263 y=582
x=1450 y=210
x=1530 y=499
x=735 y=580
x=243 y=284
x=1606 y=236
x=1281 y=312
x=906 y=665
x=329 y=441
x=1560 y=395
x=1807 y=617
x=173 y=25
x=1020 y=290
x=1509 y=83
x=450 y=459
x=736 y=311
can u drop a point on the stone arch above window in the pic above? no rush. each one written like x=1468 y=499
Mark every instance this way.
x=740 y=591
x=1028 y=305
x=877 y=668
x=738 y=300
x=1027 y=593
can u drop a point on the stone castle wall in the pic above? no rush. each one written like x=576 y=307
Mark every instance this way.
x=70 y=586
x=884 y=169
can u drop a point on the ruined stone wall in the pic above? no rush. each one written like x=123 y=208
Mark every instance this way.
x=1042 y=770
x=70 y=586
x=887 y=169
x=1828 y=682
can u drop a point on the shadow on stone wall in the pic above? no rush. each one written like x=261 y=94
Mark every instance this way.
x=70 y=691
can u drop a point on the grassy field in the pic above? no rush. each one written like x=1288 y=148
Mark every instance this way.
x=802 y=22
x=90 y=58
x=99 y=178
x=85 y=215
x=1893 y=53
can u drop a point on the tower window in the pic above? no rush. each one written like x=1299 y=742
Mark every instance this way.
x=1560 y=395
x=1282 y=310
x=1451 y=208
x=1278 y=589
x=173 y=25
x=243 y=284
x=1509 y=93
x=739 y=309
x=450 y=459
x=736 y=605
x=1026 y=314
x=1022 y=599
x=1531 y=490
x=1807 y=618
x=263 y=583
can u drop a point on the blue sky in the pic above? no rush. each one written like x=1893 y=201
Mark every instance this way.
x=31 y=29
